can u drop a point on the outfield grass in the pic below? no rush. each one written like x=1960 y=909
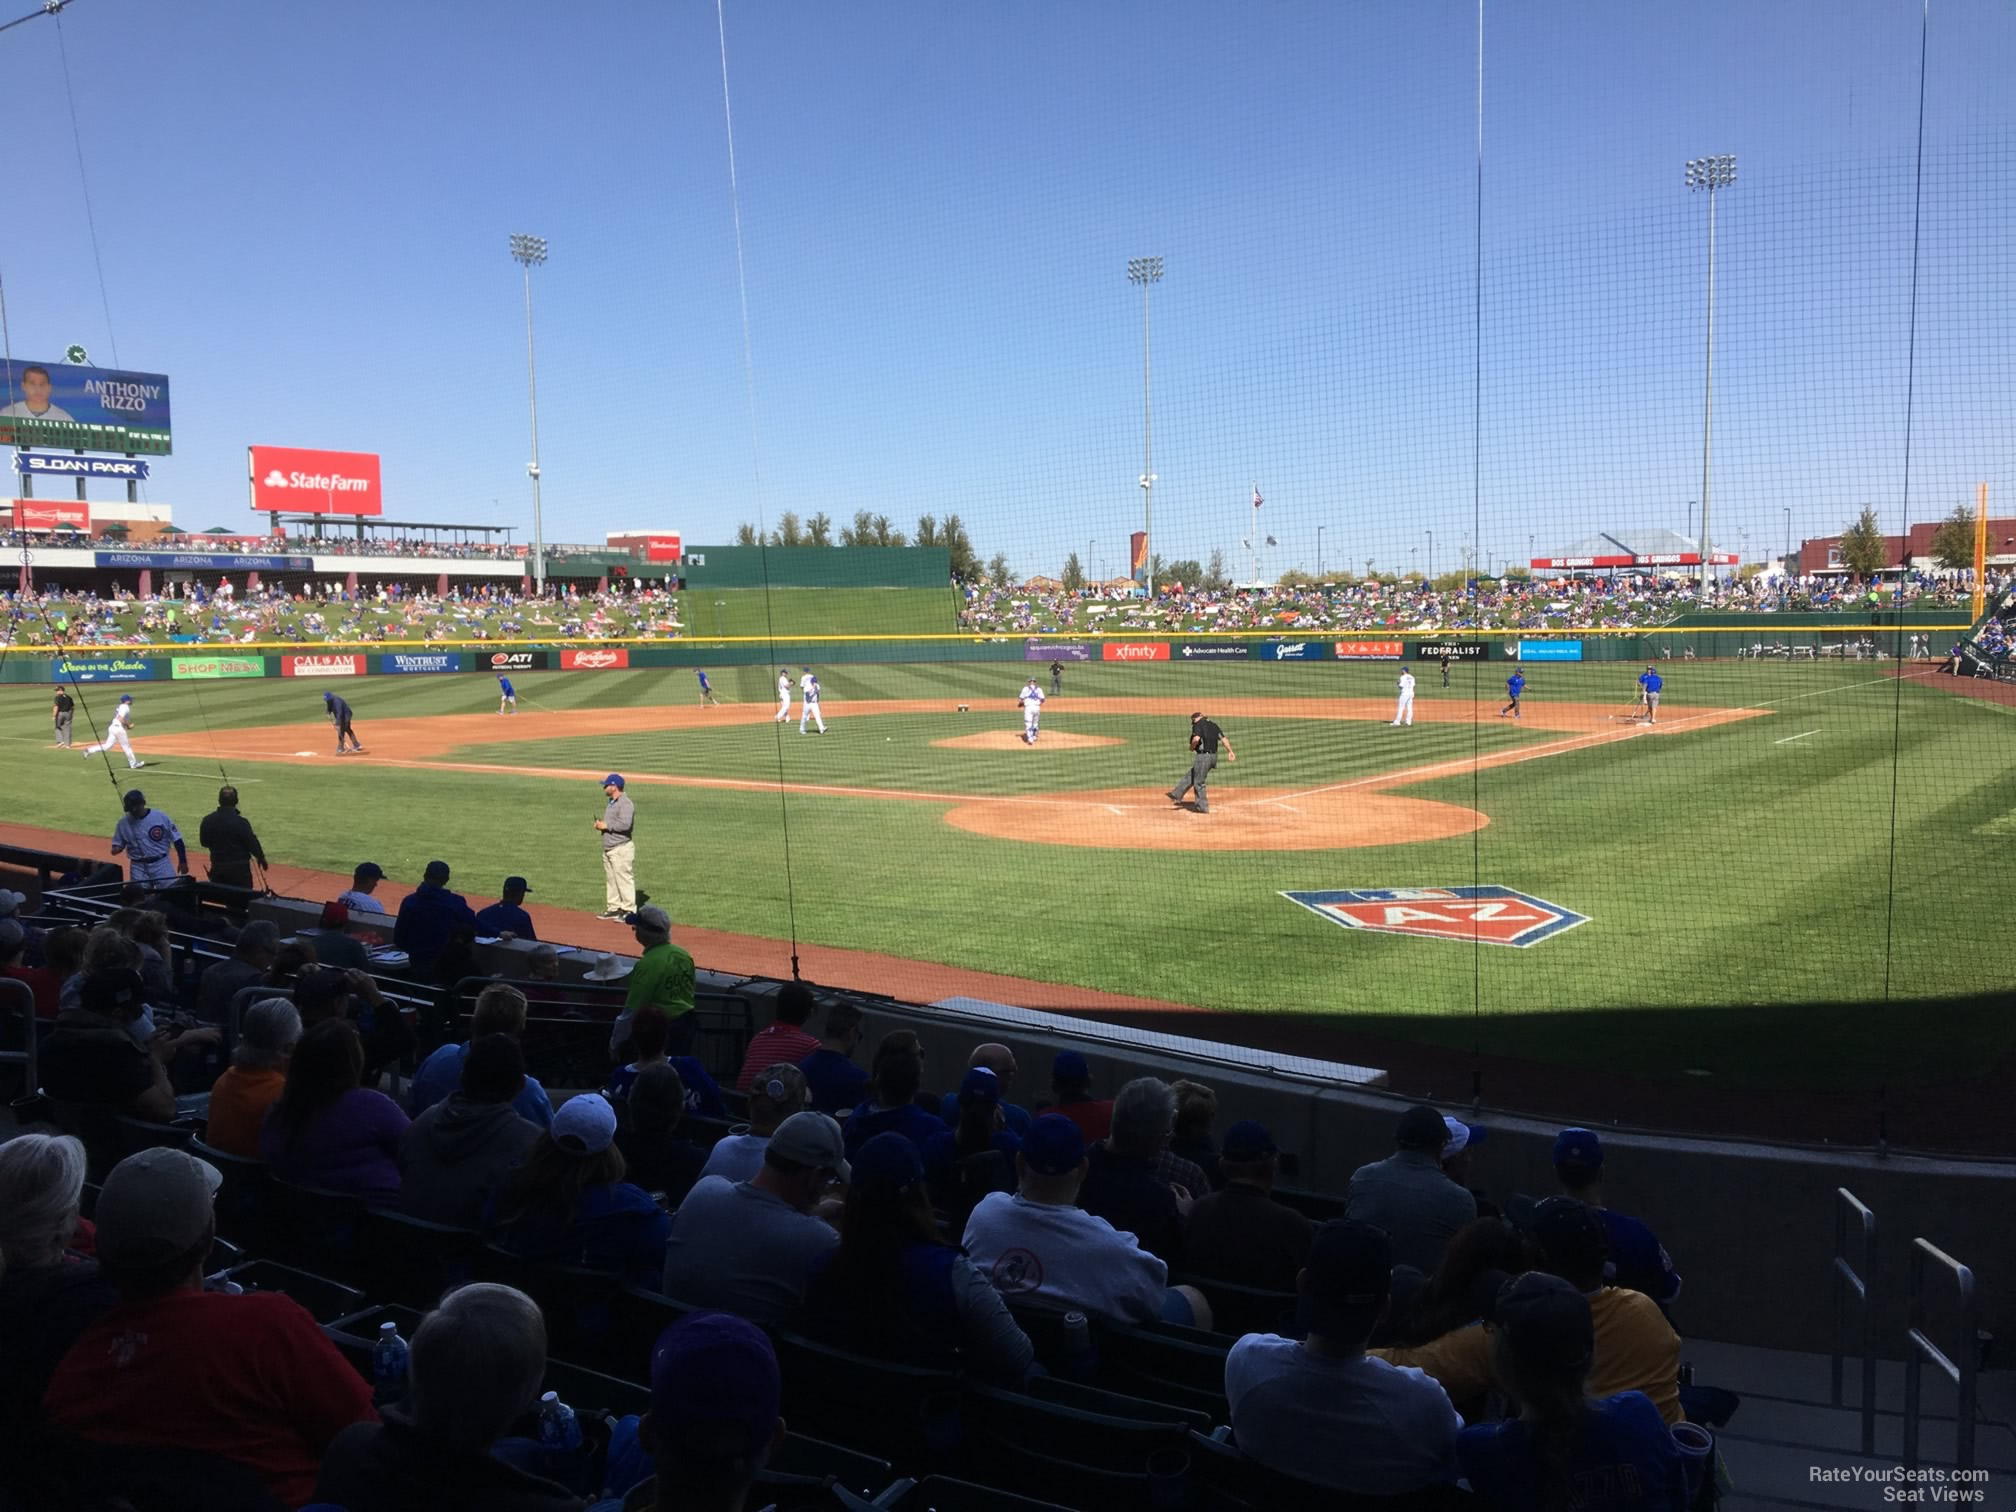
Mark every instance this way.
x=1739 y=878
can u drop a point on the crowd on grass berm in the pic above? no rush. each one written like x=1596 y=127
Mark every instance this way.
x=925 y=1214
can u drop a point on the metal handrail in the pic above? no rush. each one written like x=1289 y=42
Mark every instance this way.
x=1920 y=1348
x=1854 y=1279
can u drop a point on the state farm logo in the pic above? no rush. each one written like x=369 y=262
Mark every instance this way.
x=320 y=482
x=1489 y=915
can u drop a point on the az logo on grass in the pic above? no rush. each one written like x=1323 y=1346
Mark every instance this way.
x=1495 y=915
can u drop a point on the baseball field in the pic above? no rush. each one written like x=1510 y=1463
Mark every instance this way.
x=1730 y=895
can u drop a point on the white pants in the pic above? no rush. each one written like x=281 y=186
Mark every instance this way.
x=115 y=735
x=1029 y=727
x=811 y=712
x=508 y=701
x=783 y=710
x=619 y=884
x=1404 y=713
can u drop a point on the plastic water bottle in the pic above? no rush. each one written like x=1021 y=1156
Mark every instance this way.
x=388 y=1363
x=1078 y=1346
x=558 y=1428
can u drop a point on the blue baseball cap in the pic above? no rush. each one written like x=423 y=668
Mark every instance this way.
x=614 y=779
x=716 y=1390
x=887 y=1165
x=436 y=871
x=979 y=1085
x=327 y=696
x=126 y=698
x=1070 y=1066
x=1247 y=1140
x=1578 y=1147
x=1053 y=1145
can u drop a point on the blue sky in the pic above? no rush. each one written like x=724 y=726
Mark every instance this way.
x=303 y=212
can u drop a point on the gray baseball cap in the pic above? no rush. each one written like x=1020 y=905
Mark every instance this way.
x=653 y=917
x=812 y=1139
x=155 y=1205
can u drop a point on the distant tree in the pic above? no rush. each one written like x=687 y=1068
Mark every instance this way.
x=788 y=532
x=819 y=530
x=745 y=535
x=1863 y=549
x=884 y=534
x=1295 y=577
x=1215 y=578
x=1158 y=568
x=1074 y=574
x=861 y=532
x=1450 y=582
x=953 y=537
x=997 y=569
x=1189 y=572
x=1953 y=541
x=927 y=531
x=1748 y=571
x=1524 y=574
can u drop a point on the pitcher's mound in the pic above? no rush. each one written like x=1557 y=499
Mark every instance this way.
x=1240 y=819
x=1008 y=740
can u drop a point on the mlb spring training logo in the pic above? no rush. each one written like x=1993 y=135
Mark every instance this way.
x=1494 y=915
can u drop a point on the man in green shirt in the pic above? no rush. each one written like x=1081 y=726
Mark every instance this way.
x=663 y=979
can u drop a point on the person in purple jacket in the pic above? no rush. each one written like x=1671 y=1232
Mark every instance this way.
x=326 y=1130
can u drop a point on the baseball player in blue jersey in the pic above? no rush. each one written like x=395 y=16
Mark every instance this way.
x=1514 y=686
x=707 y=697
x=146 y=836
x=339 y=716
x=507 y=696
x=1649 y=684
x=808 y=689
x=1032 y=711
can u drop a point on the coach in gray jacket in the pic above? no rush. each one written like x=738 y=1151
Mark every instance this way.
x=1407 y=1194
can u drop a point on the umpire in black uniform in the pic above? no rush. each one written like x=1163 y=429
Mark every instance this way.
x=229 y=837
x=1205 y=739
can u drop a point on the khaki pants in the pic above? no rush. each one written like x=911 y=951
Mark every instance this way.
x=619 y=883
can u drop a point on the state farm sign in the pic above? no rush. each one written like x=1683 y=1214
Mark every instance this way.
x=1135 y=651
x=601 y=659
x=290 y=479
x=321 y=666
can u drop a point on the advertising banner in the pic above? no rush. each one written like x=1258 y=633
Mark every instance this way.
x=1291 y=651
x=1371 y=650
x=202 y=561
x=102 y=669
x=1048 y=651
x=1454 y=650
x=321 y=666
x=299 y=481
x=597 y=659
x=420 y=661
x=1213 y=651
x=1134 y=651
x=44 y=464
x=51 y=514
x=1550 y=651
x=69 y=408
x=218 y=666
x=510 y=661
x=1137 y=556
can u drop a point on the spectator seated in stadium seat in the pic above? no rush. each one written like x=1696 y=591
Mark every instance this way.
x=892 y=1106
x=1637 y=1259
x=34 y=941
x=1636 y=1349
x=430 y=917
x=1566 y=1447
x=749 y=1247
x=1482 y=1256
x=104 y=1056
x=335 y=945
x=649 y=1032
x=1241 y=1234
x=44 y=983
x=569 y=1201
x=1196 y=1111
x=1071 y=1091
x=475 y=1368
x=784 y=1041
x=981 y=1129
x=659 y=1158
x=453 y=1155
x=1325 y=1412
x=250 y=959
x=328 y=1131
x=62 y=956
x=1407 y=1194
x=255 y=1079
x=779 y=1093
x=250 y=1378
x=1001 y=1061
x=895 y=1289
x=1133 y=1184
x=323 y=992
x=835 y=1083
x=714 y=1421
x=1038 y=1246
x=48 y=1294
x=500 y=1009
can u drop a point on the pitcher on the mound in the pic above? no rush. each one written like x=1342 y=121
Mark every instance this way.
x=1032 y=711
x=1403 y=712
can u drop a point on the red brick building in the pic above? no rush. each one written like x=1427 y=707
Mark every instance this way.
x=1823 y=554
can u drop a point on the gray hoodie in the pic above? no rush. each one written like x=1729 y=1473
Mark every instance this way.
x=454 y=1153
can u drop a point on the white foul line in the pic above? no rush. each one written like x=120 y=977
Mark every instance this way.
x=1790 y=738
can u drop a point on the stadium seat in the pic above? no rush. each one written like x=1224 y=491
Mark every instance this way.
x=704 y=1132
x=1050 y=1388
x=409 y=1260
x=74 y=1472
x=1230 y=1482
x=637 y=1317
x=1149 y=1363
x=131 y=1135
x=938 y=1493
x=912 y=1416
x=355 y=1334
x=325 y=1300
x=815 y=1459
x=242 y=1200
x=591 y=1391
x=574 y=1298
x=1039 y=1448
x=1237 y=1310
x=307 y=1225
x=1317 y=1207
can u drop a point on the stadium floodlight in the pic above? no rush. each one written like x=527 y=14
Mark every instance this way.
x=1709 y=173
x=1147 y=271
x=530 y=252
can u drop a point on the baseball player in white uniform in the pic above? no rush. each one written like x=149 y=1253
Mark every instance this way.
x=116 y=734
x=1032 y=711
x=783 y=697
x=808 y=687
x=147 y=836
x=1403 y=712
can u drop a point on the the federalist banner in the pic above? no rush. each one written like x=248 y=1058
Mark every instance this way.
x=1455 y=650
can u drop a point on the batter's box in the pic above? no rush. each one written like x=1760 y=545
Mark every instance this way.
x=1494 y=915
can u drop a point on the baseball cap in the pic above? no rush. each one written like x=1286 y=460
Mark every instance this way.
x=154 y=1205
x=10 y=902
x=652 y=917
x=1578 y=1147
x=1195 y=715
x=517 y=884
x=1545 y=1317
x=111 y=992
x=715 y=1388
x=1053 y=1146
x=1421 y=1128
x=1571 y=1234
x=368 y=869
x=335 y=915
x=1349 y=1273
x=1461 y=1135
x=979 y=1085
x=1247 y=1140
x=319 y=989
x=614 y=779
x=327 y=696
x=134 y=801
x=812 y=1139
x=887 y=1165
x=1070 y=1066
x=128 y=697
x=437 y=871
x=584 y=1124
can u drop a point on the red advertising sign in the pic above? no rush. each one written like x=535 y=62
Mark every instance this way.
x=662 y=548
x=1658 y=559
x=656 y=545
x=1370 y=650
x=39 y=514
x=599 y=659
x=1135 y=651
x=321 y=666
x=290 y=479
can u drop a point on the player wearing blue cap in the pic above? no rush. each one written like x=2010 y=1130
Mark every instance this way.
x=1514 y=686
x=619 y=850
x=116 y=734
x=339 y=716
x=707 y=697
x=1649 y=684
x=507 y=696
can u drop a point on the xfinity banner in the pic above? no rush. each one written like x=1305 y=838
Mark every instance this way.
x=69 y=408
x=42 y=464
x=421 y=661
x=1046 y=651
x=1550 y=651
x=1293 y=650
x=200 y=561
x=1454 y=650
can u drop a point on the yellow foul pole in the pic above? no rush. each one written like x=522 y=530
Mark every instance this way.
x=1981 y=552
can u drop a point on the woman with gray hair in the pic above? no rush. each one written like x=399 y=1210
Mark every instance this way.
x=48 y=1296
x=256 y=1078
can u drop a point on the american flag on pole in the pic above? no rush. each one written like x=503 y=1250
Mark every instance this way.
x=1257 y=500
